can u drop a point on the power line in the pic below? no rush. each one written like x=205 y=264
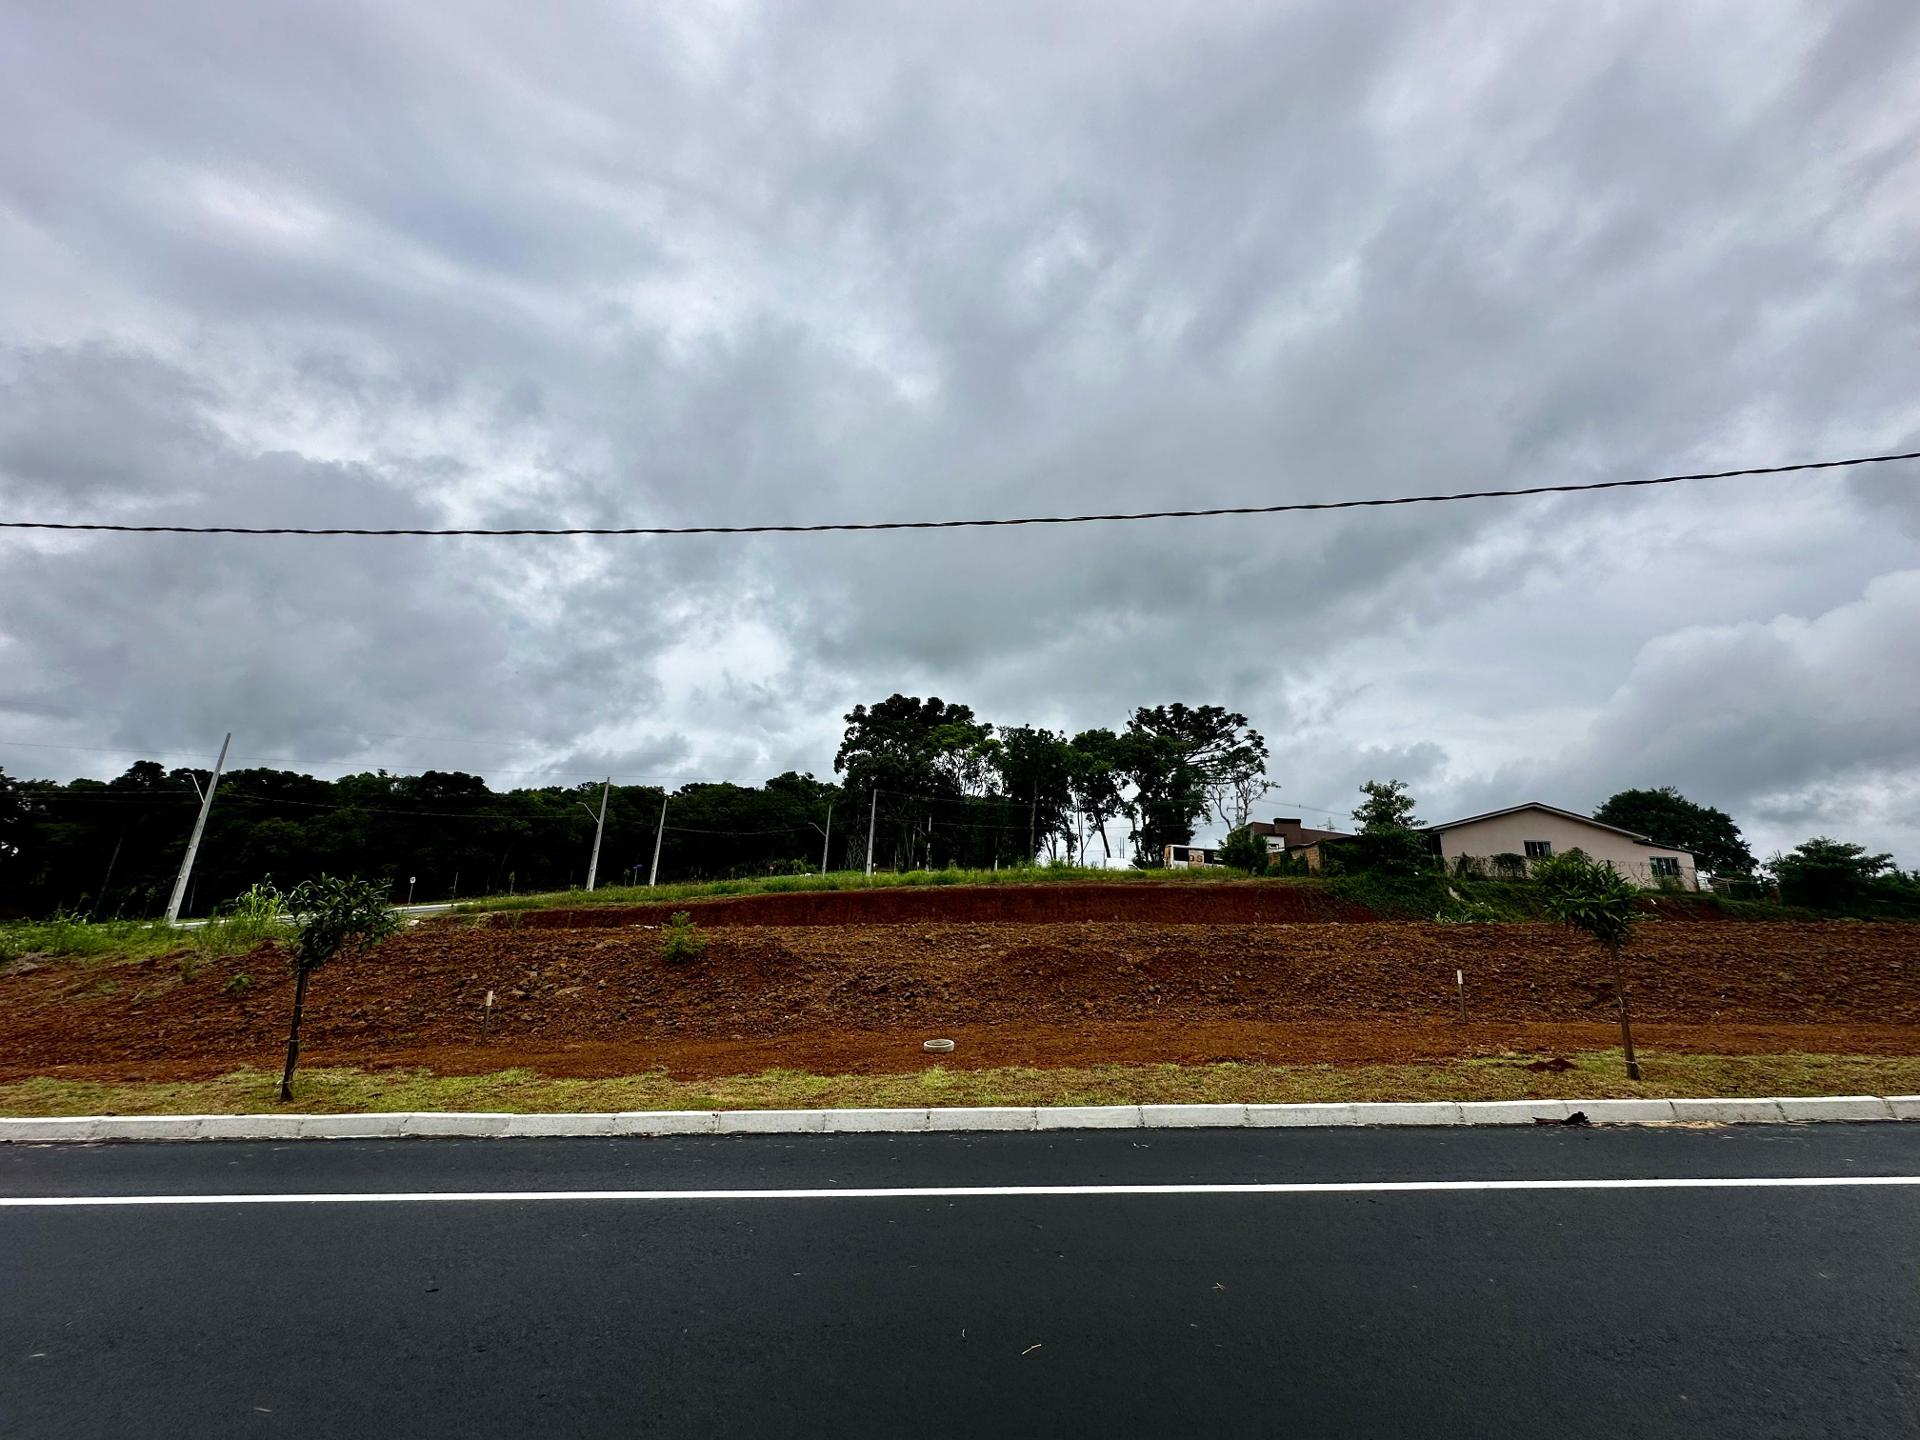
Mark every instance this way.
x=836 y=526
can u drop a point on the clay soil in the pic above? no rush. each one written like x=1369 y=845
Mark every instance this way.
x=598 y=1000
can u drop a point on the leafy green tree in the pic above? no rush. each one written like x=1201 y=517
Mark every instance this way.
x=13 y=811
x=1243 y=850
x=1592 y=897
x=332 y=915
x=1097 y=780
x=1388 y=842
x=1388 y=806
x=1182 y=762
x=1669 y=818
x=918 y=754
x=1827 y=874
x=1037 y=766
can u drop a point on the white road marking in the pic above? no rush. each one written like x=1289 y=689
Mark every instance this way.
x=971 y=1192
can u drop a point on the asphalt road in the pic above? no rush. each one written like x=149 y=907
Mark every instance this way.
x=1726 y=1309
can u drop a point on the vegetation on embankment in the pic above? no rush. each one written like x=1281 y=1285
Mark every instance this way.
x=107 y=941
x=1588 y=1075
x=849 y=880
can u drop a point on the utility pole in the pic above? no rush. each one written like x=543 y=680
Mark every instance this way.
x=873 y=812
x=826 y=839
x=600 y=825
x=658 y=835
x=199 y=828
x=1033 y=821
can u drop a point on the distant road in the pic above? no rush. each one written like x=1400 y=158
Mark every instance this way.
x=398 y=909
x=1729 y=1310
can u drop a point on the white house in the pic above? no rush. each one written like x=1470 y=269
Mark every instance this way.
x=1534 y=830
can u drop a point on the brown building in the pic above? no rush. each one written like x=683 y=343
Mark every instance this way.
x=1285 y=835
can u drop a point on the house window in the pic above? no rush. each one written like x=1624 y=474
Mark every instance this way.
x=1539 y=849
x=1666 y=867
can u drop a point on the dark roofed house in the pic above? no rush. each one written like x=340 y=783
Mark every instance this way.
x=1285 y=835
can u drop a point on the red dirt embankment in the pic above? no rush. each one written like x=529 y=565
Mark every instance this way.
x=595 y=1000
x=1140 y=902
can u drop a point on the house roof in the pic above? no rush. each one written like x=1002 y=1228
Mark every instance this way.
x=1632 y=835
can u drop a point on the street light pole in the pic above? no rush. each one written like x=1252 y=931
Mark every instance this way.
x=658 y=836
x=826 y=837
x=873 y=811
x=599 y=827
x=199 y=828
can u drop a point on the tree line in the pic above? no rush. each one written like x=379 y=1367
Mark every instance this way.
x=931 y=783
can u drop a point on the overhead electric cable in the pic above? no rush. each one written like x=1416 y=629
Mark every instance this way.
x=1292 y=507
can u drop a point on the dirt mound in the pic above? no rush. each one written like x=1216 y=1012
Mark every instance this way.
x=776 y=992
x=1139 y=902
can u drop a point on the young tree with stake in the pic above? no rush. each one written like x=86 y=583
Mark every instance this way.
x=332 y=915
x=1592 y=897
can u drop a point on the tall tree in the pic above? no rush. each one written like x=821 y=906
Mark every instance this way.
x=1387 y=807
x=920 y=756
x=1669 y=818
x=1036 y=767
x=1098 y=780
x=1182 y=760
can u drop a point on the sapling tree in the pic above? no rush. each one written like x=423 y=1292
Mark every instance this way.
x=333 y=915
x=1592 y=897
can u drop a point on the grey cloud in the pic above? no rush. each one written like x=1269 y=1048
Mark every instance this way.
x=610 y=266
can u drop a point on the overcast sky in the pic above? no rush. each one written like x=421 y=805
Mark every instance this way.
x=432 y=264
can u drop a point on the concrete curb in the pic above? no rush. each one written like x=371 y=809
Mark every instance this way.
x=481 y=1125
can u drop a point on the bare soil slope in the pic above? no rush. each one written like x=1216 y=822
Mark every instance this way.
x=599 y=1000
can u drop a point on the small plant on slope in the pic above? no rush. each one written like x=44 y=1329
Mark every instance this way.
x=1592 y=897
x=332 y=915
x=681 y=940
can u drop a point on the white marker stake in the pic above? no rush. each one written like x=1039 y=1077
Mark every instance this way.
x=486 y=1015
x=1460 y=984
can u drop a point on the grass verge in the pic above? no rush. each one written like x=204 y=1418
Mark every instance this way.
x=855 y=880
x=103 y=942
x=1594 y=1074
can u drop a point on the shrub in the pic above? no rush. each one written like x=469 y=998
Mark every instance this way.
x=238 y=985
x=244 y=921
x=1392 y=852
x=1508 y=865
x=1468 y=867
x=681 y=940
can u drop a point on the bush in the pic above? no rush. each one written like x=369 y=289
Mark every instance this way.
x=1401 y=853
x=244 y=921
x=1468 y=867
x=681 y=940
x=1588 y=895
x=1508 y=865
x=238 y=985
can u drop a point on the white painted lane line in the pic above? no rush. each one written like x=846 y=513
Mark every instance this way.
x=974 y=1192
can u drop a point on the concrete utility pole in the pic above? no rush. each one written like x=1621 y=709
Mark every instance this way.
x=658 y=836
x=199 y=828
x=873 y=811
x=599 y=828
x=826 y=839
